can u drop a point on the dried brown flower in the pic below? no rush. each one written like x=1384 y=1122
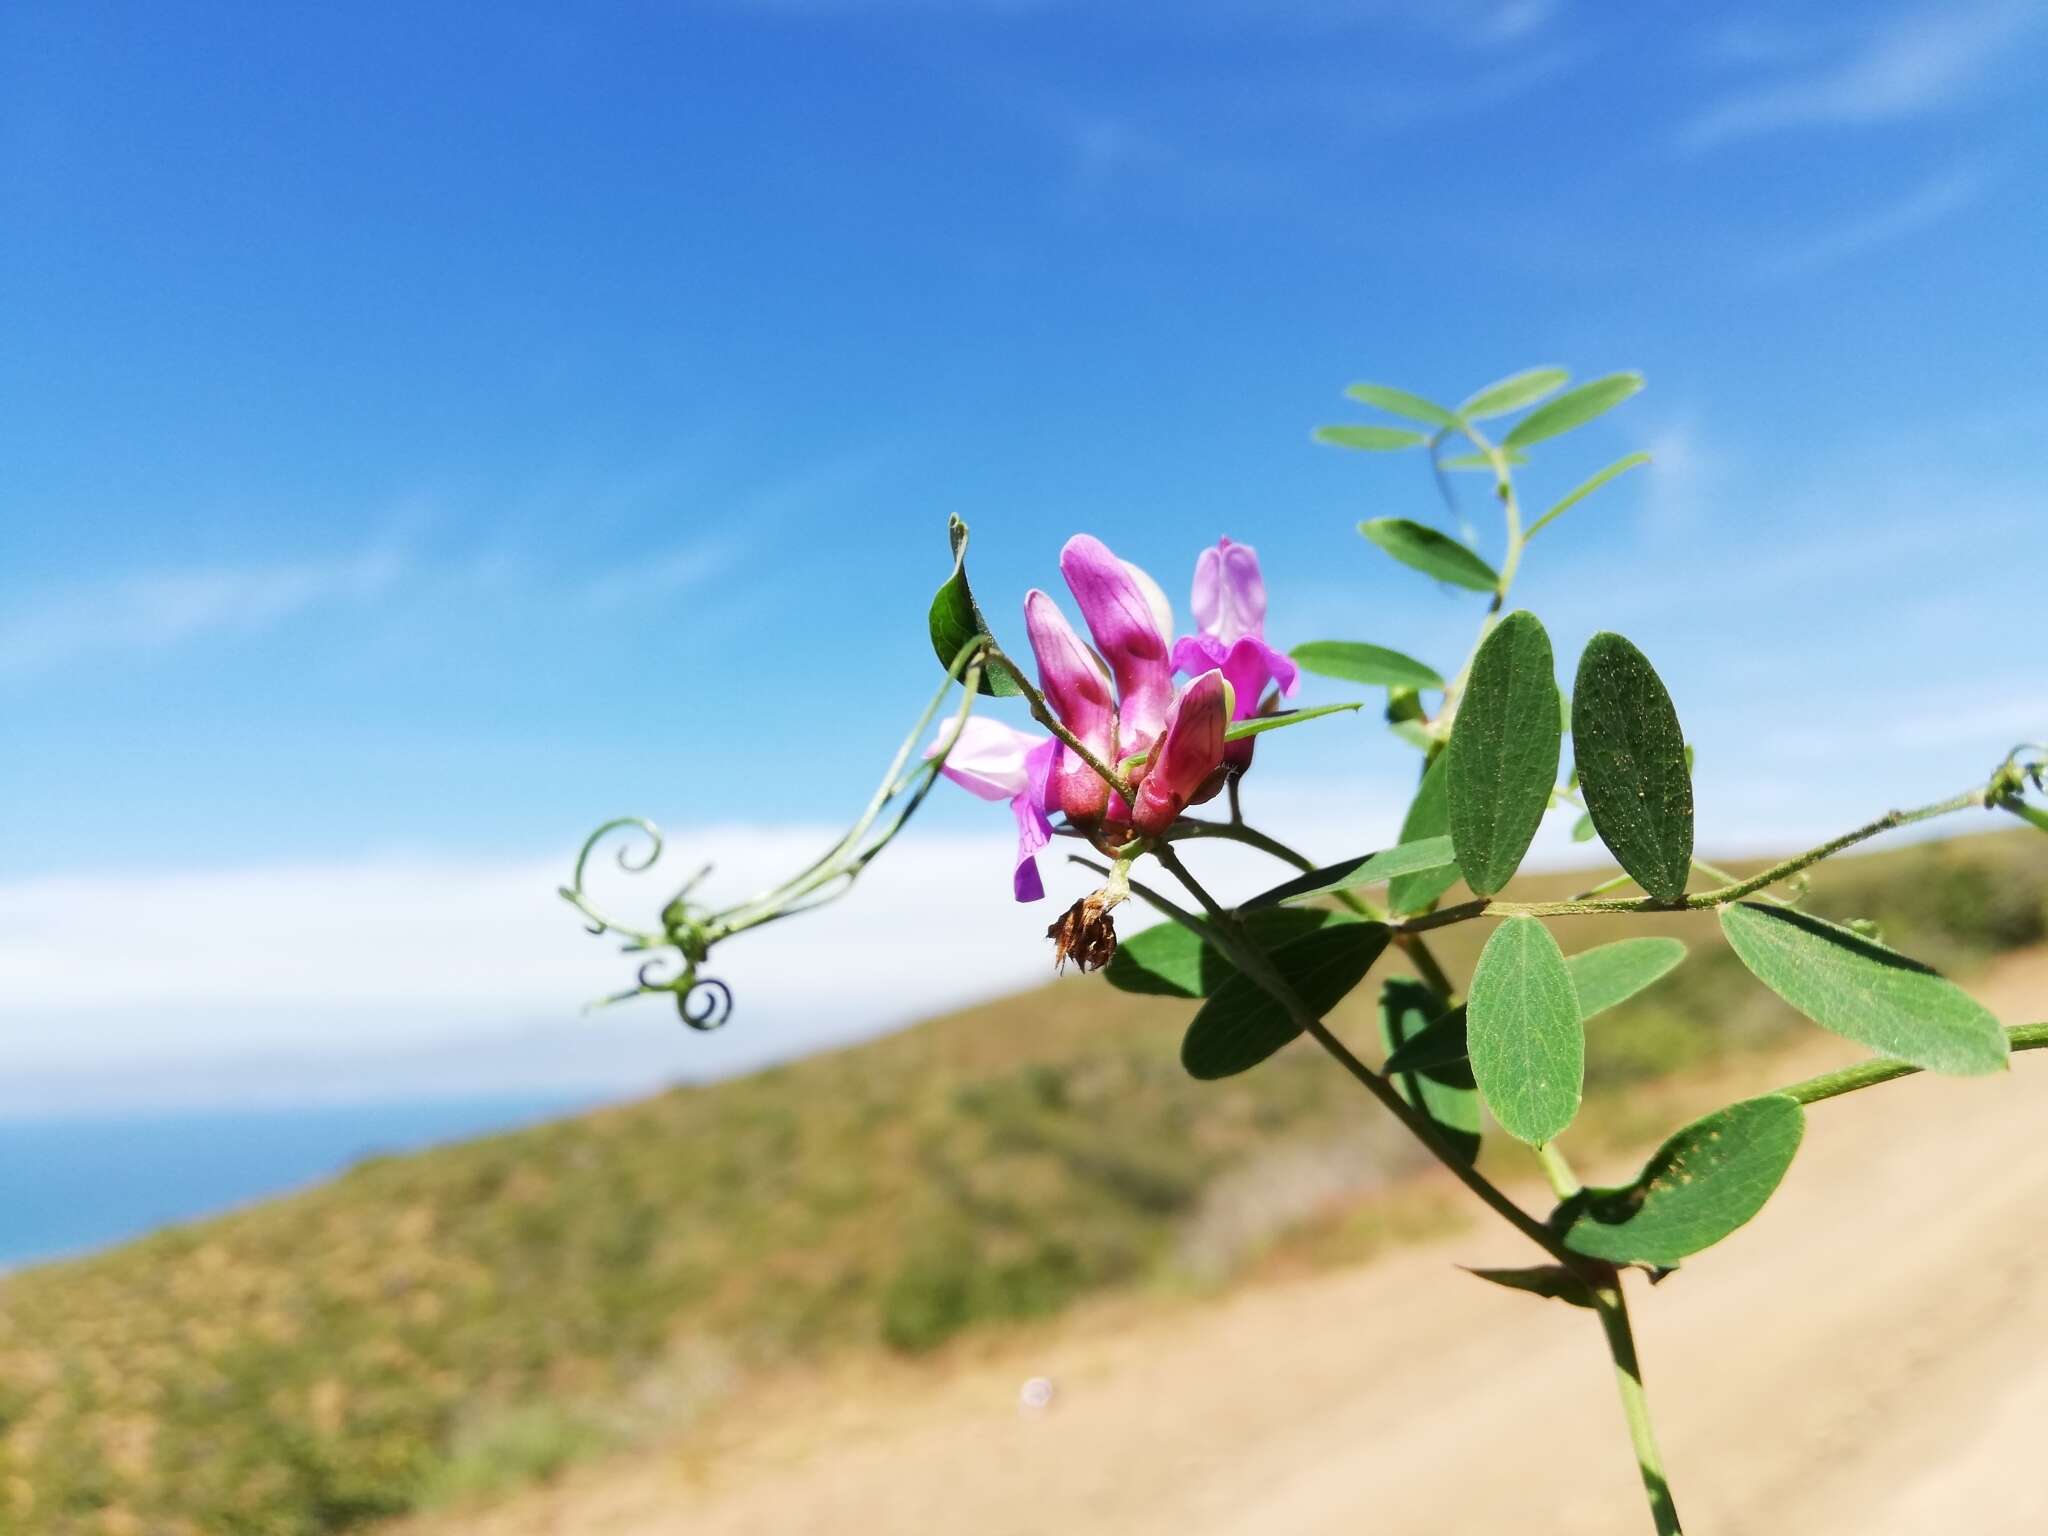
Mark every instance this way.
x=1085 y=933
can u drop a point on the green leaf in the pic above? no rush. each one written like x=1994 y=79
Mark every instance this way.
x=1443 y=1092
x=1631 y=759
x=1400 y=403
x=1582 y=829
x=1436 y=554
x=1258 y=725
x=956 y=617
x=1371 y=869
x=1440 y=1043
x=1573 y=409
x=1372 y=439
x=1412 y=734
x=1858 y=988
x=1602 y=976
x=1241 y=1024
x=1522 y=1029
x=1429 y=815
x=1592 y=484
x=1479 y=461
x=1706 y=1181
x=1513 y=392
x=1352 y=661
x=1552 y=1281
x=1608 y=974
x=1172 y=960
x=1504 y=752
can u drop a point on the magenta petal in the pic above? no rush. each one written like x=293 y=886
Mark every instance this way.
x=1196 y=654
x=1121 y=617
x=1190 y=750
x=1284 y=671
x=1079 y=695
x=1033 y=833
x=1038 y=764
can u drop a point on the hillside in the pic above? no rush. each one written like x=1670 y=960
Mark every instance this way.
x=435 y=1324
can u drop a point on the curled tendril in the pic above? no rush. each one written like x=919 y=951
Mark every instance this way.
x=702 y=1002
x=597 y=921
x=706 y=1005
x=688 y=930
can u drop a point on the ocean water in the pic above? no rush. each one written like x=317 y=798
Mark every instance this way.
x=70 y=1185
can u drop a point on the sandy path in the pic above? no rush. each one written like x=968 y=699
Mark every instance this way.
x=1836 y=1367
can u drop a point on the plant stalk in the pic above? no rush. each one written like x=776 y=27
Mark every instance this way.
x=1612 y=1306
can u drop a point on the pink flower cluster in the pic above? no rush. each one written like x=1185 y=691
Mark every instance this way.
x=1119 y=700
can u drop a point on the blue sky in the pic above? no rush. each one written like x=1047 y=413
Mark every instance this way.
x=430 y=430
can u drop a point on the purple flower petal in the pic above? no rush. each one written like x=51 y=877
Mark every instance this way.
x=990 y=759
x=1229 y=597
x=1033 y=833
x=1079 y=695
x=1196 y=654
x=1122 y=619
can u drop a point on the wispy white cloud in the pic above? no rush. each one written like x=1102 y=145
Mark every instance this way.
x=149 y=612
x=1931 y=203
x=662 y=573
x=1919 y=62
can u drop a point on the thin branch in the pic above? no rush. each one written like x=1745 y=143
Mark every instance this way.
x=1868 y=1074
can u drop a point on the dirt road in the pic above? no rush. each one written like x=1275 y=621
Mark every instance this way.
x=1870 y=1356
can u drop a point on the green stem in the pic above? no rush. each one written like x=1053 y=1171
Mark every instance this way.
x=1228 y=934
x=1563 y=1181
x=1418 y=952
x=1042 y=712
x=1188 y=827
x=1701 y=901
x=1223 y=930
x=1612 y=883
x=1511 y=561
x=1635 y=1405
x=1236 y=832
x=1868 y=1074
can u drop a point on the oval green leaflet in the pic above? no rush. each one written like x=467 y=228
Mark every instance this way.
x=1523 y=1033
x=1371 y=439
x=1504 y=752
x=1586 y=488
x=955 y=617
x=1444 y=1090
x=1610 y=974
x=1707 y=1180
x=1399 y=402
x=1603 y=977
x=1242 y=1024
x=1429 y=815
x=1859 y=988
x=1353 y=661
x=1431 y=853
x=1433 y=553
x=1505 y=396
x=1573 y=409
x=1632 y=768
x=1170 y=959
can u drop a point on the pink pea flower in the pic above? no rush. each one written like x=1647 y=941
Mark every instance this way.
x=1076 y=687
x=1229 y=602
x=1184 y=765
x=999 y=762
x=1129 y=617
